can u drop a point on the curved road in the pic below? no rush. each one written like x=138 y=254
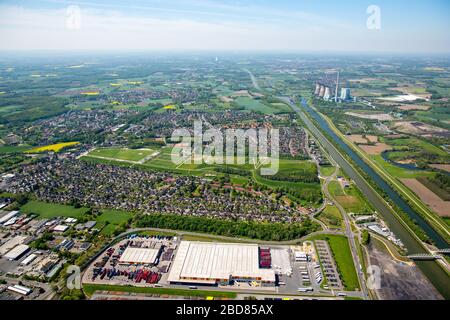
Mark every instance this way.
x=348 y=231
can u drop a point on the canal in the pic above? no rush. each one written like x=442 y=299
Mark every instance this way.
x=431 y=269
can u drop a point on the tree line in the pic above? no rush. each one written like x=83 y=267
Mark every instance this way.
x=248 y=229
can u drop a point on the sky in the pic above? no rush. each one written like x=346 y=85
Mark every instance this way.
x=404 y=26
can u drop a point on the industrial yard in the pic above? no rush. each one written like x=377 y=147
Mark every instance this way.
x=171 y=263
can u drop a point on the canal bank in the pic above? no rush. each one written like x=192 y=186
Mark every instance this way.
x=431 y=269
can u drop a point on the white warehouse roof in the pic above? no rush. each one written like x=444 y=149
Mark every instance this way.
x=17 y=252
x=207 y=262
x=8 y=216
x=11 y=243
x=60 y=228
x=139 y=255
x=28 y=259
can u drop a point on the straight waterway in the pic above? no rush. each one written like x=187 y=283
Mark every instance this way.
x=434 y=272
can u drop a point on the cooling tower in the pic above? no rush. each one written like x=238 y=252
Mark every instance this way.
x=317 y=89
x=322 y=91
x=327 y=94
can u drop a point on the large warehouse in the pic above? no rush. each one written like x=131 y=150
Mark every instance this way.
x=209 y=263
x=139 y=256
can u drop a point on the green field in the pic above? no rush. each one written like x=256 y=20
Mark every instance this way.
x=13 y=149
x=335 y=188
x=114 y=216
x=108 y=220
x=327 y=171
x=111 y=219
x=350 y=198
x=419 y=150
x=331 y=217
x=122 y=153
x=397 y=171
x=107 y=229
x=50 y=210
x=342 y=255
x=89 y=289
x=280 y=107
x=254 y=105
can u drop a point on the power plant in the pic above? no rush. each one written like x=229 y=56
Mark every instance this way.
x=328 y=89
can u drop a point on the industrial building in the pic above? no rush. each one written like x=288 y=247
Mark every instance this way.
x=20 y=289
x=208 y=263
x=133 y=255
x=28 y=259
x=345 y=94
x=8 y=216
x=11 y=243
x=60 y=228
x=17 y=252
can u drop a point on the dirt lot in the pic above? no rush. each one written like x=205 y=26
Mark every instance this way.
x=357 y=138
x=416 y=127
x=360 y=139
x=436 y=204
x=417 y=91
x=445 y=167
x=363 y=80
x=407 y=107
x=399 y=281
x=372 y=116
x=376 y=149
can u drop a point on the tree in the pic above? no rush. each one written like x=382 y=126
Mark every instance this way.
x=22 y=199
x=365 y=237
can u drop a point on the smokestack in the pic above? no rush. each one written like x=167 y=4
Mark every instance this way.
x=337 y=88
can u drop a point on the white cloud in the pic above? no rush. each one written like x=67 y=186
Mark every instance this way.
x=23 y=29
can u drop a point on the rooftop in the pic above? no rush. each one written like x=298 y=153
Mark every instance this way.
x=207 y=261
x=139 y=255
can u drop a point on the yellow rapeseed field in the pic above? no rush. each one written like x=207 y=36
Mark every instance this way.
x=90 y=93
x=52 y=147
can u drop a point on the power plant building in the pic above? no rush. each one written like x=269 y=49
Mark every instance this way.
x=345 y=94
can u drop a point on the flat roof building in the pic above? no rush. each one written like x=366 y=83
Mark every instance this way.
x=17 y=252
x=20 y=289
x=139 y=255
x=11 y=243
x=8 y=216
x=60 y=228
x=28 y=259
x=218 y=263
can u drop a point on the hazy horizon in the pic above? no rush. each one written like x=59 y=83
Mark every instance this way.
x=210 y=25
